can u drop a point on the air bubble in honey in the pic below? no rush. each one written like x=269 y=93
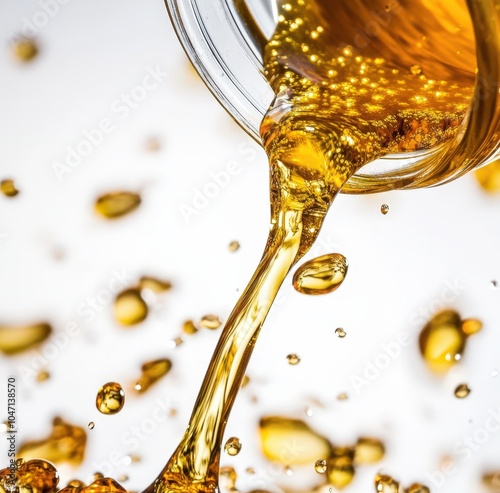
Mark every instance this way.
x=117 y=204
x=65 y=444
x=384 y=209
x=154 y=284
x=320 y=466
x=293 y=359
x=340 y=332
x=110 y=398
x=129 y=307
x=211 y=322
x=8 y=188
x=152 y=371
x=232 y=446
x=321 y=275
x=368 y=451
x=276 y=434
x=25 y=49
x=489 y=177
x=386 y=484
x=16 y=339
x=462 y=391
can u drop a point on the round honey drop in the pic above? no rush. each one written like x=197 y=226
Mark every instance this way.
x=386 y=484
x=320 y=466
x=321 y=275
x=462 y=391
x=110 y=398
x=471 y=326
x=117 y=204
x=293 y=359
x=368 y=451
x=417 y=488
x=234 y=246
x=340 y=332
x=42 y=376
x=25 y=49
x=232 y=446
x=384 y=209
x=129 y=307
x=8 y=188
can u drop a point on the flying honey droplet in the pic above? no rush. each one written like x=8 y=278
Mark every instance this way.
x=341 y=333
x=188 y=327
x=152 y=371
x=277 y=433
x=384 y=209
x=368 y=451
x=65 y=444
x=17 y=339
x=321 y=275
x=154 y=284
x=91 y=425
x=417 y=488
x=320 y=466
x=492 y=481
x=212 y=322
x=130 y=308
x=234 y=246
x=488 y=177
x=232 y=446
x=340 y=467
x=386 y=484
x=462 y=391
x=25 y=49
x=8 y=188
x=293 y=359
x=110 y=398
x=471 y=326
x=117 y=204
x=42 y=376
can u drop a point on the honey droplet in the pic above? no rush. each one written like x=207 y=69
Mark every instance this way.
x=110 y=398
x=34 y=476
x=232 y=446
x=293 y=359
x=340 y=332
x=321 y=275
x=229 y=474
x=386 y=484
x=129 y=307
x=91 y=425
x=42 y=376
x=488 y=177
x=343 y=396
x=65 y=444
x=417 y=488
x=154 y=284
x=368 y=451
x=492 y=481
x=384 y=209
x=442 y=341
x=25 y=49
x=152 y=144
x=277 y=433
x=320 y=466
x=117 y=204
x=462 y=391
x=16 y=339
x=8 y=188
x=152 y=371
x=188 y=327
x=340 y=468
x=211 y=322
x=100 y=485
x=471 y=326
x=234 y=246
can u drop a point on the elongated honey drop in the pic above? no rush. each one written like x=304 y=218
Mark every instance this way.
x=154 y=284
x=34 y=476
x=152 y=371
x=212 y=322
x=321 y=275
x=471 y=326
x=130 y=308
x=368 y=451
x=276 y=434
x=16 y=339
x=117 y=204
x=417 y=488
x=65 y=444
x=386 y=484
x=462 y=391
x=8 y=188
x=489 y=177
x=110 y=398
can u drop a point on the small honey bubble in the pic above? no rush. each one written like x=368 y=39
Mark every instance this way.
x=293 y=359
x=340 y=332
x=130 y=308
x=384 y=209
x=462 y=391
x=8 y=188
x=386 y=484
x=321 y=275
x=25 y=49
x=117 y=204
x=232 y=446
x=233 y=246
x=320 y=466
x=110 y=398
x=211 y=322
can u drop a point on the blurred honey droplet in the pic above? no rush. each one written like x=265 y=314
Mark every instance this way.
x=8 y=188
x=276 y=434
x=386 y=484
x=25 y=49
x=368 y=450
x=233 y=246
x=173 y=343
x=343 y=396
x=117 y=204
x=211 y=322
x=417 y=488
x=110 y=398
x=245 y=381
x=91 y=425
x=341 y=333
x=42 y=376
x=188 y=327
x=152 y=144
x=65 y=444
x=462 y=391
x=129 y=307
x=34 y=476
x=293 y=359
x=488 y=177
x=154 y=284
x=152 y=371
x=340 y=467
x=384 y=209
x=320 y=466
x=492 y=481
x=471 y=326
x=230 y=476
x=232 y=446
x=17 y=339
x=321 y=275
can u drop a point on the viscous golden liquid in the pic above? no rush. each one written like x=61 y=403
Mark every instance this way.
x=355 y=80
